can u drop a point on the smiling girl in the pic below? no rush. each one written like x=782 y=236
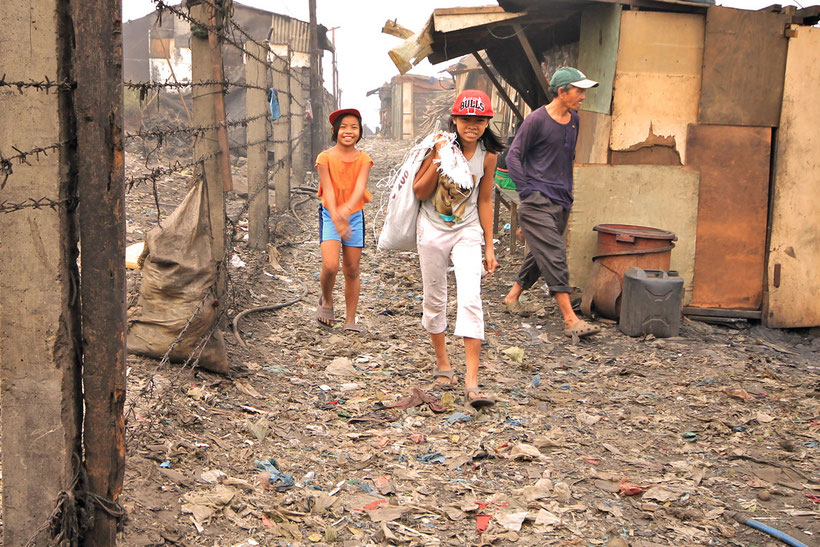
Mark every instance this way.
x=343 y=172
x=451 y=225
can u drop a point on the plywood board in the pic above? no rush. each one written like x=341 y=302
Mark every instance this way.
x=598 y=53
x=730 y=255
x=593 y=137
x=647 y=195
x=793 y=281
x=744 y=59
x=657 y=80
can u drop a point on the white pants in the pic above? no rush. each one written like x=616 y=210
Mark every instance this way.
x=436 y=248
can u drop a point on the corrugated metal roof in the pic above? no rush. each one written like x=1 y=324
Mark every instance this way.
x=295 y=33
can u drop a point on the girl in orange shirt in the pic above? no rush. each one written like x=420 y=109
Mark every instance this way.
x=343 y=172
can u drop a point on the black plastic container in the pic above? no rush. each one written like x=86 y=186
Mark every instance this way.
x=651 y=303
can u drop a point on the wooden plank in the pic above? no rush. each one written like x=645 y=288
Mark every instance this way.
x=719 y=312
x=598 y=53
x=794 y=250
x=593 y=137
x=101 y=220
x=656 y=196
x=744 y=60
x=534 y=63
x=498 y=87
x=657 y=80
x=734 y=199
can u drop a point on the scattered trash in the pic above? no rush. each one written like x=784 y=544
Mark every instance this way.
x=515 y=353
x=456 y=417
x=281 y=481
x=435 y=457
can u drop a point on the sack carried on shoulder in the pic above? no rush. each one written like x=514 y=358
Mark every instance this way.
x=399 y=230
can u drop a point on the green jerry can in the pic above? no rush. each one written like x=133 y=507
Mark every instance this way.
x=651 y=303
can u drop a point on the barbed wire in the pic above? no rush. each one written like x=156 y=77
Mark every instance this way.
x=195 y=130
x=41 y=203
x=144 y=87
x=6 y=165
x=45 y=85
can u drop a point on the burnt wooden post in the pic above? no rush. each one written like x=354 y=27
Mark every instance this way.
x=39 y=304
x=281 y=136
x=206 y=147
x=256 y=74
x=100 y=174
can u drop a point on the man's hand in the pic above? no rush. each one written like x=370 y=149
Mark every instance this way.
x=490 y=263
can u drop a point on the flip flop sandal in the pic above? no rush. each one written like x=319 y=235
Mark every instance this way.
x=514 y=307
x=581 y=329
x=478 y=402
x=449 y=374
x=352 y=327
x=324 y=314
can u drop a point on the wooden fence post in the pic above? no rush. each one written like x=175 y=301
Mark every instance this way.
x=100 y=176
x=206 y=146
x=39 y=300
x=297 y=126
x=281 y=136
x=215 y=16
x=255 y=105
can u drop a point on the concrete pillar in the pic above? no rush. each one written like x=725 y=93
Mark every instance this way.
x=39 y=298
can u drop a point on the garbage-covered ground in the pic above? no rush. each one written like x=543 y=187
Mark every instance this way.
x=608 y=441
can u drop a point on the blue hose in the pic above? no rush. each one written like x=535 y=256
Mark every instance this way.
x=775 y=533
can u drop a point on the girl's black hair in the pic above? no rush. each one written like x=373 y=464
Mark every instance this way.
x=334 y=132
x=492 y=143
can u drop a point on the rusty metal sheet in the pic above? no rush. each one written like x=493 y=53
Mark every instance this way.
x=794 y=250
x=744 y=60
x=593 y=137
x=733 y=204
x=647 y=155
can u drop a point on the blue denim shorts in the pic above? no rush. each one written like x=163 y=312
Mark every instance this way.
x=327 y=230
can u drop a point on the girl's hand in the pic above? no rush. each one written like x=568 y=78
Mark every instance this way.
x=341 y=220
x=490 y=263
x=342 y=228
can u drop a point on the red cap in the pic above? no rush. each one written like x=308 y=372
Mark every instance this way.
x=336 y=113
x=472 y=102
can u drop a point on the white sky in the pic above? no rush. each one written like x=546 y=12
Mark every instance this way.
x=361 y=48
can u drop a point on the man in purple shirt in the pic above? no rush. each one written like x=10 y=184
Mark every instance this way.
x=540 y=162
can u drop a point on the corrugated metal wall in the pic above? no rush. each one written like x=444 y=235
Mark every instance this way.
x=290 y=31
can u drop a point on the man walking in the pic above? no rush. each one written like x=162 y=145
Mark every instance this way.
x=540 y=162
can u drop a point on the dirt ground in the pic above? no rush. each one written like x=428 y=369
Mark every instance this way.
x=609 y=441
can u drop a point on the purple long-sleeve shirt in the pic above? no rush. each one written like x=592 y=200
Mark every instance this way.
x=540 y=158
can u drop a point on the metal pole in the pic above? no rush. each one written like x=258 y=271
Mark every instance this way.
x=255 y=105
x=100 y=176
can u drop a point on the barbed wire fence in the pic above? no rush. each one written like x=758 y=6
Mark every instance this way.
x=145 y=410
x=163 y=166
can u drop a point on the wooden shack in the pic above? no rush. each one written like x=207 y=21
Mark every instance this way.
x=705 y=123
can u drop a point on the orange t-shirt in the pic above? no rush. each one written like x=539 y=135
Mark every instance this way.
x=343 y=175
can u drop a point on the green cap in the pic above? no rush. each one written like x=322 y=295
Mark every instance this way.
x=571 y=76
